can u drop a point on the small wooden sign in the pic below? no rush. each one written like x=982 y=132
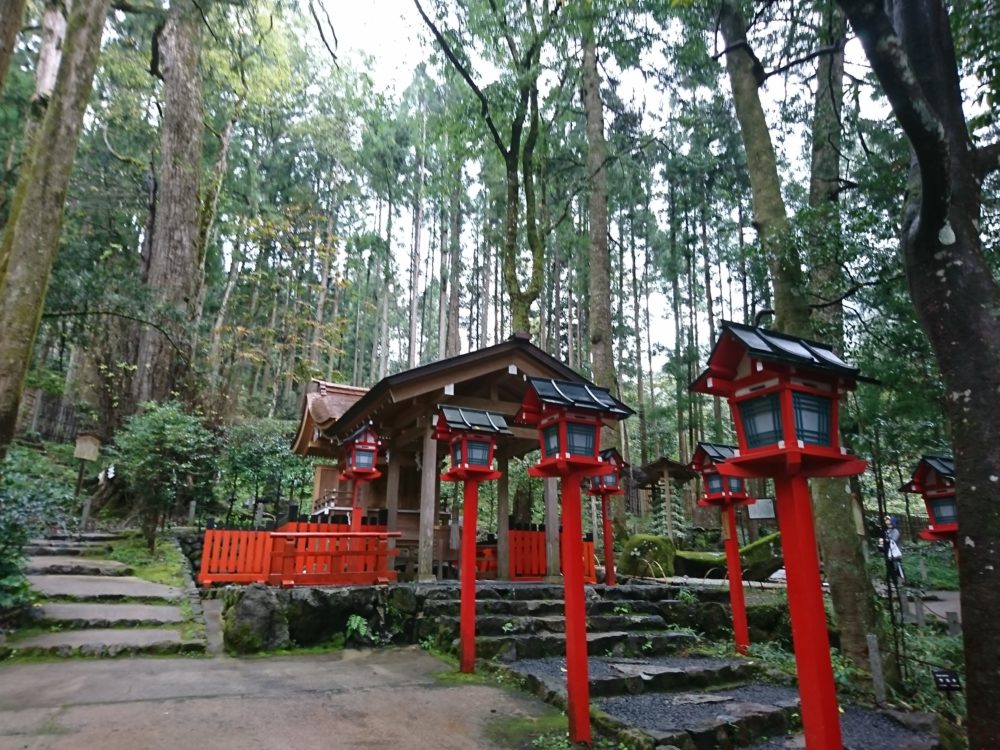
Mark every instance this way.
x=762 y=510
x=88 y=446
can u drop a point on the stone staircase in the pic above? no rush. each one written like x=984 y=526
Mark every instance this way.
x=646 y=689
x=525 y=621
x=92 y=606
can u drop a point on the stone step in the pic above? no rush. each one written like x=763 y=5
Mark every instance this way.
x=74 y=566
x=502 y=624
x=609 y=643
x=543 y=607
x=721 y=719
x=611 y=676
x=104 y=642
x=74 y=615
x=36 y=548
x=108 y=588
x=86 y=536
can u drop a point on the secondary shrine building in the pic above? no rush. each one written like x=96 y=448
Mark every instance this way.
x=407 y=497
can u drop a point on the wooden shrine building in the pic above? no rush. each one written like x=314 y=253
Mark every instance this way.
x=407 y=497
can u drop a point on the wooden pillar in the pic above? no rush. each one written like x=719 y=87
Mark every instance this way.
x=668 y=505
x=503 y=517
x=392 y=495
x=553 y=569
x=428 y=487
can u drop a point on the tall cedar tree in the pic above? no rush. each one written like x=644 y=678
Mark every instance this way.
x=31 y=236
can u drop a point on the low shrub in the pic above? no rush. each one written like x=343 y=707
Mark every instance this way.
x=647 y=555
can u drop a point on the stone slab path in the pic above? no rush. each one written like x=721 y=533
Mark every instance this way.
x=108 y=615
x=107 y=642
x=353 y=699
x=74 y=565
x=110 y=612
x=102 y=587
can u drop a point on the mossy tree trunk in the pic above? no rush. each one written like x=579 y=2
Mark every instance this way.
x=31 y=236
x=853 y=593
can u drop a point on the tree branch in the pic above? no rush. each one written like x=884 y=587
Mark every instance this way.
x=319 y=28
x=987 y=160
x=917 y=117
x=467 y=77
x=831 y=50
x=116 y=314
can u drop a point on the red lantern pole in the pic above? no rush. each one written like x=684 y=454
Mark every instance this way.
x=820 y=714
x=356 y=505
x=577 y=669
x=467 y=611
x=609 y=543
x=736 y=599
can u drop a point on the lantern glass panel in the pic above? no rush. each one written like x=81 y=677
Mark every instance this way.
x=761 y=418
x=945 y=510
x=735 y=485
x=477 y=452
x=456 y=453
x=595 y=483
x=580 y=438
x=812 y=418
x=550 y=441
x=364 y=458
x=714 y=483
x=611 y=480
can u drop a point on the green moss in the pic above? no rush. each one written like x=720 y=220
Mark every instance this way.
x=647 y=555
x=526 y=731
x=241 y=639
x=164 y=565
x=758 y=559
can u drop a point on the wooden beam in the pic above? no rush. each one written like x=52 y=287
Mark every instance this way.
x=503 y=514
x=553 y=566
x=392 y=494
x=428 y=486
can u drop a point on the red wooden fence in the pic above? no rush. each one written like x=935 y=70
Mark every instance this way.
x=326 y=554
x=302 y=553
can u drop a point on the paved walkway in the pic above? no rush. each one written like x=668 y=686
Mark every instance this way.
x=381 y=699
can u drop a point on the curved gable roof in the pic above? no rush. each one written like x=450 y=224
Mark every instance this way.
x=517 y=350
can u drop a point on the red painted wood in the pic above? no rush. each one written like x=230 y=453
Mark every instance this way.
x=737 y=602
x=609 y=544
x=467 y=610
x=817 y=691
x=577 y=670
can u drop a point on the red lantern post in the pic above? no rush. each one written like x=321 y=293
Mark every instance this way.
x=726 y=493
x=604 y=486
x=569 y=418
x=471 y=435
x=784 y=395
x=934 y=480
x=360 y=450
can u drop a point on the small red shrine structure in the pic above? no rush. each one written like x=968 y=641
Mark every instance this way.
x=725 y=493
x=360 y=452
x=784 y=394
x=934 y=480
x=471 y=434
x=604 y=486
x=569 y=417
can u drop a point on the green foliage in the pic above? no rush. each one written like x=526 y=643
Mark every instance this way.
x=168 y=459
x=32 y=499
x=257 y=463
x=647 y=555
x=938 y=562
x=357 y=628
x=928 y=648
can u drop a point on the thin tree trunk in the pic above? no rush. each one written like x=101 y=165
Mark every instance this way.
x=31 y=236
x=418 y=220
x=453 y=344
x=445 y=279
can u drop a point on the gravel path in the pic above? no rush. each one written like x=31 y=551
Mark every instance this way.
x=666 y=712
x=863 y=729
x=603 y=667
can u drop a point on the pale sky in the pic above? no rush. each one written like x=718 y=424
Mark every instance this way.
x=386 y=30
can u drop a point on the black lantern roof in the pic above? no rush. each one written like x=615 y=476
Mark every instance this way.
x=474 y=420
x=613 y=457
x=359 y=433
x=943 y=466
x=717 y=452
x=578 y=396
x=737 y=340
